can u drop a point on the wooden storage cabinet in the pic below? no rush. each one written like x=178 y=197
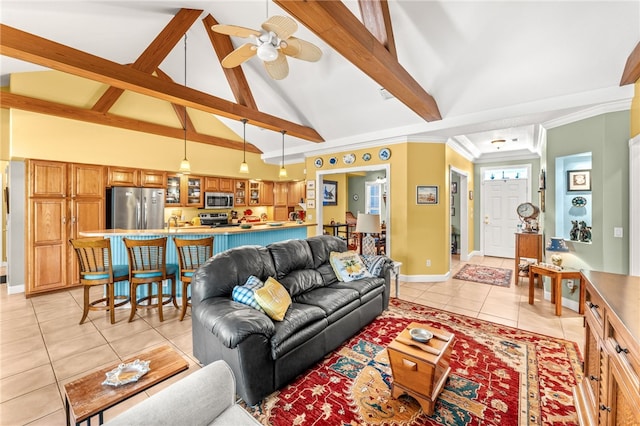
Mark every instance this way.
x=184 y=191
x=64 y=199
x=124 y=176
x=218 y=184
x=153 y=178
x=254 y=193
x=528 y=245
x=609 y=394
x=280 y=191
x=240 y=193
x=266 y=193
x=296 y=193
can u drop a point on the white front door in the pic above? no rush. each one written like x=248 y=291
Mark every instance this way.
x=500 y=199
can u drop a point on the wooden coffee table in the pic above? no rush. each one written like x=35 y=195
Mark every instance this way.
x=87 y=396
x=420 y=372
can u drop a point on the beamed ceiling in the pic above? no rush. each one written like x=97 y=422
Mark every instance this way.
x=461 y=72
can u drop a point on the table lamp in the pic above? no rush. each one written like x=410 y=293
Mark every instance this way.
x=368 y=224
x=557 y=245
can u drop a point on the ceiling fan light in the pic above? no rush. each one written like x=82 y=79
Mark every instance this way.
x=267 y=52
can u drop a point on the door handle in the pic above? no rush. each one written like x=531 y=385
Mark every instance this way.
x=486 y=220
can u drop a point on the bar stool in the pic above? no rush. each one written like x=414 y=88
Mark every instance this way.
x=147 y=265
x=191 y=255
x=94 y=261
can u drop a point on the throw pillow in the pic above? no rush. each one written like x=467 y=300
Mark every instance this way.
x=274 y=299
x=348 y=266
x=374 y=264
x=246 y=293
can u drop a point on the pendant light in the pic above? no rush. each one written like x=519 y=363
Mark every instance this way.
x=244 y=167
x=185 y=167
x=283 y=171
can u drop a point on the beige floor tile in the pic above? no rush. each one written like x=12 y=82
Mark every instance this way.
x=31 y=406
x=175 y=328
x=471 y=305
x=25 y=382
x=63 y=348
x=84 y=361
x=58 y=417
x=22 y=315
x=22 y=362
x=137 y=342
x=184 y=343
x=68 y=331
x=56 y=324
x=62 y=312
x=18 y=332
x=123 y=329
x=461 y=311
x=21 y=346
x=500 y=310
x=498 y=320
x=102 y=320
x=408 y=293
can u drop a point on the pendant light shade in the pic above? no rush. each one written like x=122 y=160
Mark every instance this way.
x=185 y=166
x=244 y=167
x=283 y=171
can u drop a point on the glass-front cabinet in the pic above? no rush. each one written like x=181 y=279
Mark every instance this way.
x=254 y=193
x=194 y=194
x=184 y=191
x=240 y=193
x=173 y=191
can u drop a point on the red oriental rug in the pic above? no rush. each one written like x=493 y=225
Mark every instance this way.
x=499 y=376
x=485 y=275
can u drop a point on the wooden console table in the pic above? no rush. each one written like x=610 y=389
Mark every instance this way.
x=87 y=396
x=528 y=245
x=556 y=284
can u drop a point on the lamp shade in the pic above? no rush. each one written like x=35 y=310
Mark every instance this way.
x=368 y=223
x=557 y=244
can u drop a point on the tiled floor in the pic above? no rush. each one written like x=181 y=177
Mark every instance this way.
x=42 y=346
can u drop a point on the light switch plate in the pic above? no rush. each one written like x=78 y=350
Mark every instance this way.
x=617 y=232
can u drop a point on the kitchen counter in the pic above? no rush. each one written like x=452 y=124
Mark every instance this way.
x=199 y=230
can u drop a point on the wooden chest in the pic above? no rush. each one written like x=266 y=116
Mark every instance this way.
x=415 y=371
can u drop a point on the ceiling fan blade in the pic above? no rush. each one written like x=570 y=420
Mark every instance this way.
x=234 y=30
x=282 y=26
x=301 y=49
x=279 y=68
x=238 y=56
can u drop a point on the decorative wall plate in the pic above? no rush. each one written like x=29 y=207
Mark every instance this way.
x=333 y=161
x=366 y=156
x=318 y=162
x=349 y=158
x=579 y=201
x=355 y=197
x=384 y=154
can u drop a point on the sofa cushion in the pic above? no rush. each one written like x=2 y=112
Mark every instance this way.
x=274 y=299
x=289 y=256
x=330 y=300
x=321 y=247
x=300 y=324
x=367 y=288
x=301 y=280
x=348 y=266
x=246 y=293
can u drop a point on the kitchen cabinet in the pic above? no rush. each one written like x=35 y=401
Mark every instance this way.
x=609 y=393
x=184 y=191
x=125 y=176
x=254 y=193
x=240 y=193
x=218 y=184
x=64 y=199
x=266 y=193
x=153 y=178
x=226 y=185
x=280 y=190
x=296 y=193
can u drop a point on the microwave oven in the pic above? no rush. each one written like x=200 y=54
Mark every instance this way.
x=218 y=200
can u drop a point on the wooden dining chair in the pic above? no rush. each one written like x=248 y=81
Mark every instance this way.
x=191 y=255
x=96 y=269
x=147 y=265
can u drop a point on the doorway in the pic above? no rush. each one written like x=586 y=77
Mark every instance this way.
x=459 y=213
x=503 y=189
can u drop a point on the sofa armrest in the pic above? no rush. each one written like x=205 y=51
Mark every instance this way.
x=199 y=398
x=232 y=322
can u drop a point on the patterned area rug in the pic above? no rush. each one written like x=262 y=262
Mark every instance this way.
x=499 y=376
x=485 y=275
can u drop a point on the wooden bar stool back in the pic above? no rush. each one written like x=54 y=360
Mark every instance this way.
x=96 y=269
x=147 y=265
x=191 y=255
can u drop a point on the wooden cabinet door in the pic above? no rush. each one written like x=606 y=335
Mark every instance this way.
x=86 y=215
x=240 y=193
x=280 y=190
x=296 y=193
x=592 y=367
x=266 y=193
x=173 y=193
x=153 y=178
x=254 y=193
x=87 y=181
x=47 y=179
x=123 y=176
x=280 y=213
x=192 y=190
x=47 y=242
x=211 y=184
x=624 y=396
x=225 y=185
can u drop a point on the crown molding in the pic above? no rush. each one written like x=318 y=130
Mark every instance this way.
x=619 y=105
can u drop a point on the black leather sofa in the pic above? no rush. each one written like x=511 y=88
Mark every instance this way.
x=265 y=354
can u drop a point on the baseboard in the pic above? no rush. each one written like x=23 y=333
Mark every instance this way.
x=566 y=303
x=15 y=289
x=424 y=278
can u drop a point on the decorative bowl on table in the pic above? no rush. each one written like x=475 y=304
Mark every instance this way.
x=420 y=334
x=127 y=373
x=245 y=226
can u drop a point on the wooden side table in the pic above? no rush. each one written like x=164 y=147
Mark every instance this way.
x=528 y=245
x=87 y=396
x=416 y=372
x=556 y=285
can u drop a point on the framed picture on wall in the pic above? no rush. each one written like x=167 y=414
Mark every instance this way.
x=426 y=194
x=579 y=180
x=329 y=193
x=311 y=203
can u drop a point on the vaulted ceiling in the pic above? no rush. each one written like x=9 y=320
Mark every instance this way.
x=463 y=72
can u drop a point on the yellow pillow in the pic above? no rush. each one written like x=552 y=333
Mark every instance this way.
x=348 y=266
x=273 y=298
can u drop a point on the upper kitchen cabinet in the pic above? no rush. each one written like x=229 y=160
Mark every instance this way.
x=124 y=176
x=153 y=178
x=240 y=193
x=218 y=184
x=254 y=193
x=87 y=180
x=296 y=193
x=47 y=179
x=184 y=191
x=280 y=190
x=266 y=193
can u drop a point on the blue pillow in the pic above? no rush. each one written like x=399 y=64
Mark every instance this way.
x=374 y=264
x=245 y=294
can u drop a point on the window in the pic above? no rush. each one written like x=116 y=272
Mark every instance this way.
x=373 y=197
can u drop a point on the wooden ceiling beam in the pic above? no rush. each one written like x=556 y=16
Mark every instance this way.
x=631 y=72
x=154 y=54
x=376 y=17
x=235 y=76
x=334 y=23
x=31 y=48
x=25 y=103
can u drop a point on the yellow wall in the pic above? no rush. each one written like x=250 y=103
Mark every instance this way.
x=635 y=111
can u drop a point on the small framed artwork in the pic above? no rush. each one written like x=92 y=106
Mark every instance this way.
x=454 y=187
x=311 y=184
x=543 y=180
x=471 y=195
x=329 y=193
x=311 y=203
x=311 y=193
x=426 y=194
x=453 y=211
x=579 y=180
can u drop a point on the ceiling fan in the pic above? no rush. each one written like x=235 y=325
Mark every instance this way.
x=272 y=44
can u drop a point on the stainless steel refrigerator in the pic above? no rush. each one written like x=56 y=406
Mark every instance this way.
x=135 y=208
